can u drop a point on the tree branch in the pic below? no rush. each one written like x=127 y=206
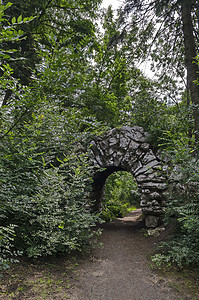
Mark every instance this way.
x=6 y=97
x=23 y=114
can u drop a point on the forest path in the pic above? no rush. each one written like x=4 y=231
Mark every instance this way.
x=120 y=270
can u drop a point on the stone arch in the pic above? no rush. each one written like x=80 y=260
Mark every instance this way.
x=127 y=149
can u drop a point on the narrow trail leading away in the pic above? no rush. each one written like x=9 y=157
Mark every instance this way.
x=120 y=270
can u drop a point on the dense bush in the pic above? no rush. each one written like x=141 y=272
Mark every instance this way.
x=44 y=184
x=113 y=210
x=55 y=217
x=183 y=211
x=7 y=253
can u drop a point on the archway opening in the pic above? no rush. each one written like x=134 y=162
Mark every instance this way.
x=120 y=195
x=114 y=193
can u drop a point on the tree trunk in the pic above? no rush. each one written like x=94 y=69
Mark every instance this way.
x=190 y=54
x=6 y=97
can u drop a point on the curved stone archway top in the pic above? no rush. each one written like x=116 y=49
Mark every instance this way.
x=127 y=149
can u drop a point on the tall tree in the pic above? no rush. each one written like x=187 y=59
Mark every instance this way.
x=174 y=42
x=56 y=24
x=190 y=56
x=113 y=80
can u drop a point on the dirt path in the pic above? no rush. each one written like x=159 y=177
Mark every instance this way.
x=120 y=270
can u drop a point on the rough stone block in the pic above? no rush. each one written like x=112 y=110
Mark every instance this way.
x=145 y=191
x=132 y=161
x=143 y=203
x=155 y=195
x=144 y=146
x=117 y=161
x=154 y=185
x=139 y=153
x=155 y=203
x=151 y=221
x=149 y=156
x=133 y=146
x=113 y=141
x=138 y=128
x=158 y=179
x=111 y=151
x=136 y=166
x=126 y=128
x=124 y=142
x=142 y=178
x=156 y=231
x=99 y=161
x=145 y=168
x=137 y=136
x=103 y=145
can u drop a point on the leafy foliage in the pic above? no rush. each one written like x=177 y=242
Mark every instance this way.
x=171 y=47
x=56 y=218
x=44 y=183
x=183 y=210
x=8 y=33
x=56 y=24
x=7 y=253
x=120 y=195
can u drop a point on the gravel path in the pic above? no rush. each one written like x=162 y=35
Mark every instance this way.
x=120 y=270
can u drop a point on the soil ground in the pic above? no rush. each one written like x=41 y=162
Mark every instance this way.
x=120 y=270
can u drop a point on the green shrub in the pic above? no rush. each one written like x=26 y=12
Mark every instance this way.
x=114 y=210
x=183 y=211
x=56 y=216
x=7 y=254
x=121 y=187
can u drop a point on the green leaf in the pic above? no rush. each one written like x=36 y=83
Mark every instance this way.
x=43 y=160
x=19 y=19
x=6 y=56
x=20 y=32
x=13 y=20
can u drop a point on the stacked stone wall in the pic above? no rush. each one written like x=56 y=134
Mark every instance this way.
x=127 y=149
